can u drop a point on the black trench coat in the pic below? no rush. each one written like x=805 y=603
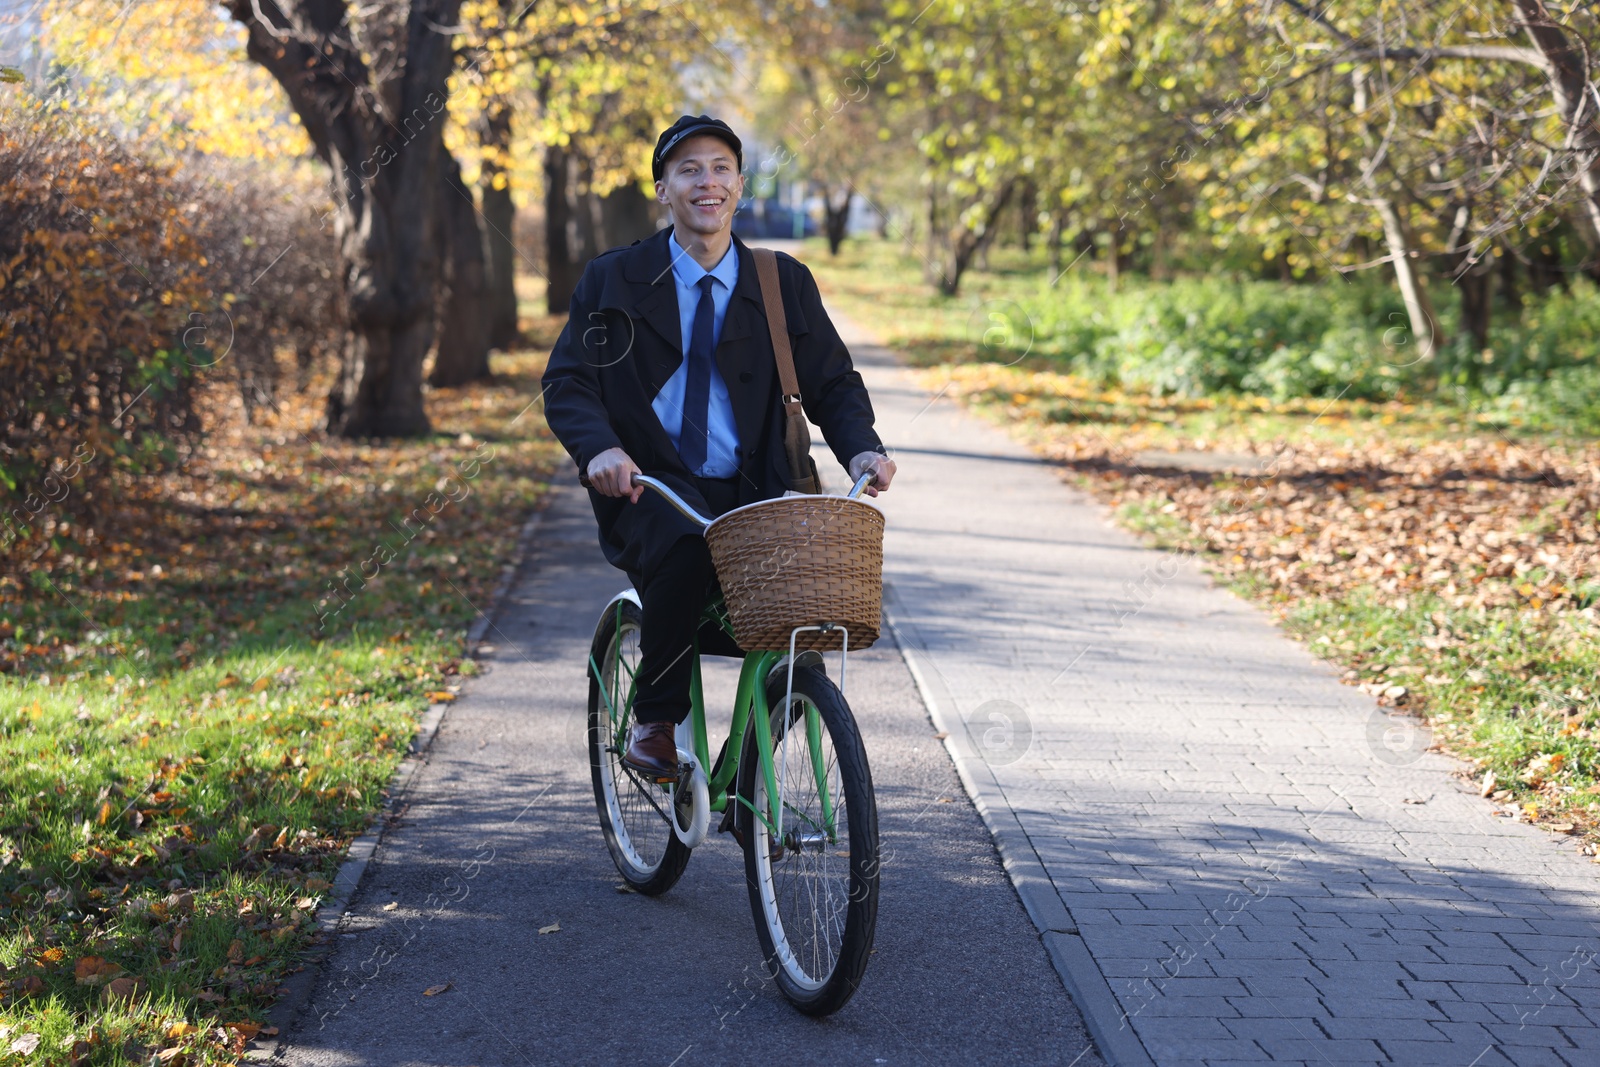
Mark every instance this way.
x=623 y=341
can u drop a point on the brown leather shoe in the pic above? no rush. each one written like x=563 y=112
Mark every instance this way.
x=652 y=750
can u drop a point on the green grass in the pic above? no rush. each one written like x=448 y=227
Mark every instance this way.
x=193 y=727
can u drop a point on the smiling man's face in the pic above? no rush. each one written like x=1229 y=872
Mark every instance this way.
x=701 y=185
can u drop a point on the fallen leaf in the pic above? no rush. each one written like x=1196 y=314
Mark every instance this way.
x=435 y=990
x=79 y=1053
x=124 y=988
x=180 y=1029
x=236 y=951
x=441 y=697
x=269 y=1031
x=1487 y=788
x=624 y=887
x=92 y=970
x=172 y=1057
x=248 y=1030
x=1560 y=827
x=941 y=735
x=552 y=928
x=24 y=1045
x=318 y=885
x=210 y=997
x=393 y=904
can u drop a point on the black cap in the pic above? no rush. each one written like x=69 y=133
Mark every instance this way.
x=689 y=126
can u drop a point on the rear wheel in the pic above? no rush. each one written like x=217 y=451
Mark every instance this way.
x=634 y=812
x=813 y=880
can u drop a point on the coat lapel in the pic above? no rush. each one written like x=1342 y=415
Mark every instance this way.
x=655 y=300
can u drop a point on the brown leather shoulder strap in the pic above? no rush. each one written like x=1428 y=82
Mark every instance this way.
x=772 y=301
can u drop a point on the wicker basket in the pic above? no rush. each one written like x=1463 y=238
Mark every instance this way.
x=801 y=561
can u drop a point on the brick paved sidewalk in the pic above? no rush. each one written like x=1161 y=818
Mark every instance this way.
x=1232 y=857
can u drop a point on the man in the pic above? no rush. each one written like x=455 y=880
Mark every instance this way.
x=666 y=367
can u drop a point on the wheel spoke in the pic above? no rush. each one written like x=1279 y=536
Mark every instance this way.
x=807 y=887
x=637 y=819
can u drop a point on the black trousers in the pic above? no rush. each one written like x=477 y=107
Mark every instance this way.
x=673 y=595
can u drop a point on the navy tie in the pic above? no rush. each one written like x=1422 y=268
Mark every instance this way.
x=697 y=387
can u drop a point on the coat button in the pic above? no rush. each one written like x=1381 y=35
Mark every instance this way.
x=745 y=377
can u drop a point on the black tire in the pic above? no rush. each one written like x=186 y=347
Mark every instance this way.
x=647 y=853
x=817 y=967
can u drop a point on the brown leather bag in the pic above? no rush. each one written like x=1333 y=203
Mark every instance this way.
x=796 y=431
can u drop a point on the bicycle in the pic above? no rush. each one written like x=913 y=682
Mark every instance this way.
x=792 y=783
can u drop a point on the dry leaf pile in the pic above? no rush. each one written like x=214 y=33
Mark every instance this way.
x=1453 y=569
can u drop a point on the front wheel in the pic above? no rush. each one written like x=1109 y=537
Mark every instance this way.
x=634 y=812
x=812 y=875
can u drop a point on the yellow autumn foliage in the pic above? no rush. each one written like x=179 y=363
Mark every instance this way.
x=175 y=72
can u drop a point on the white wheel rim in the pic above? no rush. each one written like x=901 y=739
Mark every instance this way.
x=627 y=810
x=806 y=904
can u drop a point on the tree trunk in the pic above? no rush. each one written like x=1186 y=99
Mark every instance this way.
x=626 y=216
x=464 y=320
x=586 y=215
x=1475 y=283
x=379 y=391
x=1544 y=265
x=1509 y=293
x=1419 y=309
x=380 y=132
x=1027 y=215
x=559 y=269
x=499 y=222
x=965 y=242
x=837 y=219
x=1575 y=97
x=1057 y=224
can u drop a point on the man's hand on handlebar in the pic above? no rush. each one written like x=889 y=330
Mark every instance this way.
x=611 y=473
x=881 y=466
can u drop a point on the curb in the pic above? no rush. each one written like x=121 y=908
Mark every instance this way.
x=302 y=982
x=1116 y=1041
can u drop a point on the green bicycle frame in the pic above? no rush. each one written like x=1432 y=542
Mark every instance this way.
x=749 y=704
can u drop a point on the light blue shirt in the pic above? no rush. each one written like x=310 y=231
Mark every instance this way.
x=722 y=435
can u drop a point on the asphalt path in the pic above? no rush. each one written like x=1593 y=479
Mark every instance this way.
x=499 y=841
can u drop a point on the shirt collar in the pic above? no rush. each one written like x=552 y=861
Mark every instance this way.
x=689 y=272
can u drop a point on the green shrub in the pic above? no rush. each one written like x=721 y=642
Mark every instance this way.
x=1193 y=337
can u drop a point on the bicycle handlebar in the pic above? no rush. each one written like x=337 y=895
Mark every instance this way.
x=700 y=520
x=673 y=498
